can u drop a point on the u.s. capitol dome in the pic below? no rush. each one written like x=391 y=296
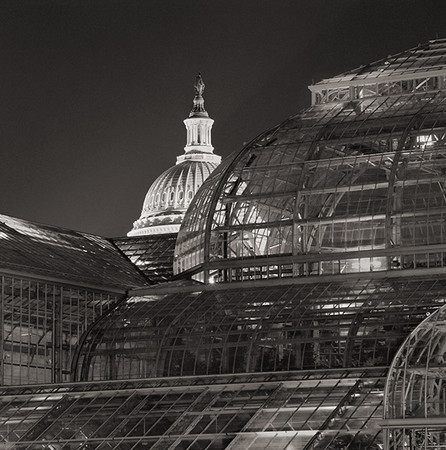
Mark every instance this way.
x=171 y=193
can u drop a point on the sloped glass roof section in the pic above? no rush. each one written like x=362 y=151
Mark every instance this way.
x=332 y=409
x=57 y=253
x=353 y=184
x=152 y=254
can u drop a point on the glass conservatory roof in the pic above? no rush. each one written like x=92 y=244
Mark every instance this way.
x=418 y=366
x=355 y=183
x=65 y=255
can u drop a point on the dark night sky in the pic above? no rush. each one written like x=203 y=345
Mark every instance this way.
x=93 y=93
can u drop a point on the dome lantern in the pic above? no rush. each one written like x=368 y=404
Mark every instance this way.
x=199 y=126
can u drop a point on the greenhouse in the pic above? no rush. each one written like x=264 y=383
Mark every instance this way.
x=302 y=307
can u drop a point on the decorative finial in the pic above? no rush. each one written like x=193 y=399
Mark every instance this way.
x=198 y=108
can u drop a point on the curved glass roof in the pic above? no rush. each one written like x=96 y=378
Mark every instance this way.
x=355 y=183
x=314 y=325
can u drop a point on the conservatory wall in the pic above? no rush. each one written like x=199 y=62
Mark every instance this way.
x=42 y=323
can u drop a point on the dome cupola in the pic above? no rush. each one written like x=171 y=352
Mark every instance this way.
x=171 y=193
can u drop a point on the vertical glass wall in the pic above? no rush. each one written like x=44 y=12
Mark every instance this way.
x=41 y=326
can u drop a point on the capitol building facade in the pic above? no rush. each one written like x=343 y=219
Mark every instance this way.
x=291 y=297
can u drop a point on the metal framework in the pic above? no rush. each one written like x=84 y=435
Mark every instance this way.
x=355 y=191
x=42 y=323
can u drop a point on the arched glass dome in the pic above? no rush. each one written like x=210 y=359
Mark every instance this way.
x=415 y=396
x=343 y=187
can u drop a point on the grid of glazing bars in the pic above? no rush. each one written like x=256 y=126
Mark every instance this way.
x=41 y=326
x=317 y=409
